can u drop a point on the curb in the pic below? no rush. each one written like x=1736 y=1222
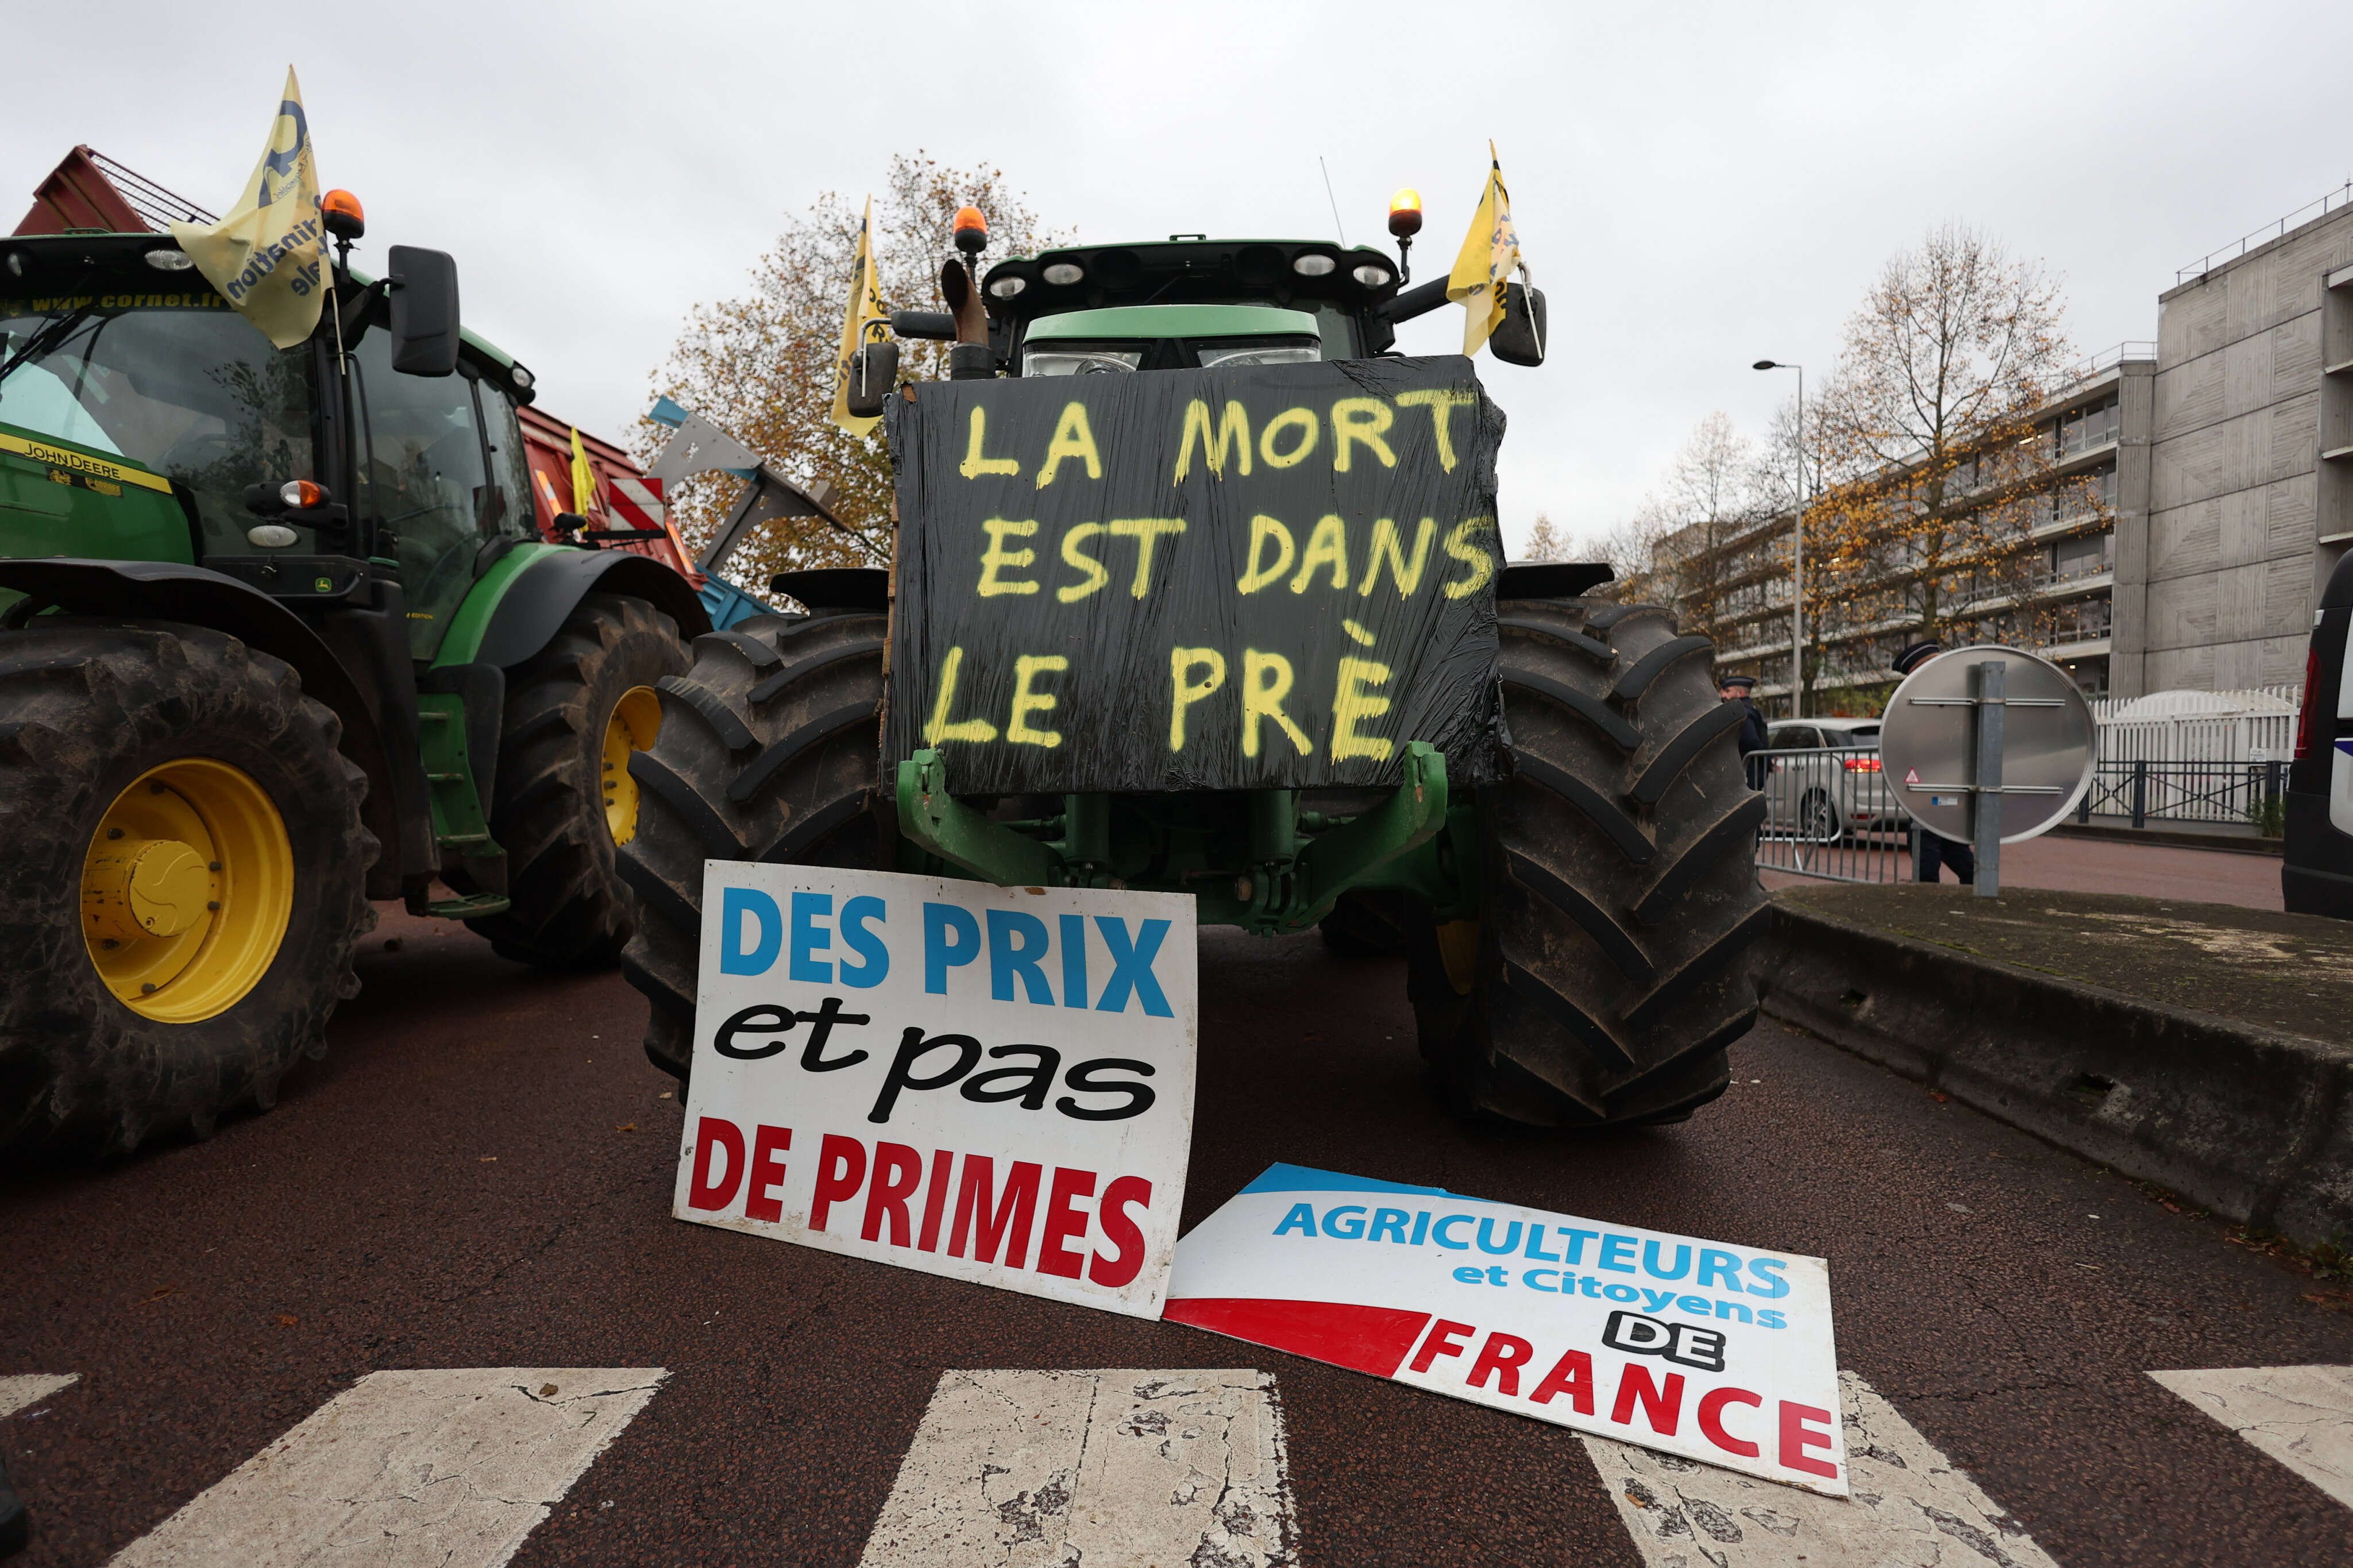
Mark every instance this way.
x=2172 y=837
x=2252 y=1123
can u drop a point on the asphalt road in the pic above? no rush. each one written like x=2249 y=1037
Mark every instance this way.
x=478 y=1174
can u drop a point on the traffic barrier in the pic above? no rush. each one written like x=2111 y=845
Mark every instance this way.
x=2256 y=1124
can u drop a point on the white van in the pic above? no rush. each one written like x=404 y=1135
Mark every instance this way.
x=2317 y=872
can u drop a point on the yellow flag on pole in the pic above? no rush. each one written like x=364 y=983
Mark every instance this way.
x=583 y=479
x=267 y=256
x=1490 y=251
x=865 y=305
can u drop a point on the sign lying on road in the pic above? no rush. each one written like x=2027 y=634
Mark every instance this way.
x=1718 y=1354
x=995 y=1084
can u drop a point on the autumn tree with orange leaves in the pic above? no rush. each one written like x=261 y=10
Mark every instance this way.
x=1935 y=474
x=761 y=365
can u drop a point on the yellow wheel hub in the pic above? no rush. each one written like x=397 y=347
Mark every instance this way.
x=635 y=720
x=1458 y=950
x=186 y=887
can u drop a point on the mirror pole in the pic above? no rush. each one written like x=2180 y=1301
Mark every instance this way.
x=1985 y=799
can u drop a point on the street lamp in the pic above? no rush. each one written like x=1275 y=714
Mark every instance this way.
x=1797 y=591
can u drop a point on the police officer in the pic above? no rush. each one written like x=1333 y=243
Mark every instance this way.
x=1929 y=850
x=1734 y=688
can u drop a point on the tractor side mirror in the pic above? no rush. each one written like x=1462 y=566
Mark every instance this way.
x=1519 y=338
x=424 y=311
x=873 y=371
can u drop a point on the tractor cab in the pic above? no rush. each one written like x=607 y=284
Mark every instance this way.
x=1189 y=289
x=1184 y=303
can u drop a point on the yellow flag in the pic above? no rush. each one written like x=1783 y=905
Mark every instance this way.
x=865 y=305
x=268 y=256
x=1490 y=253
x=583 y=479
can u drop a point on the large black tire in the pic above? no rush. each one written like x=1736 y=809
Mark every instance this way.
x=770 y=750
x=87 y=708
x=1600 y=984
x=567 y=906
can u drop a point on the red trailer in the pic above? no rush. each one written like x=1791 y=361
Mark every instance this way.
x=627 y=513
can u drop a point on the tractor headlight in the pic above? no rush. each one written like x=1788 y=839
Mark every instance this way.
x=1007 y=287
x=1314 y=265
x=170 y=260
x=1063 y=274
x=1372 y=275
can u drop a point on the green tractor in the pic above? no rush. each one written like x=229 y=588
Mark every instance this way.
x=1097 y=659
x=279 y=636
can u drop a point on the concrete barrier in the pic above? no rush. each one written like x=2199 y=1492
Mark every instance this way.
x=2254 y=1123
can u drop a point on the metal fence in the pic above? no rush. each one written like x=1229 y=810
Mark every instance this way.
x=1831 y=814
x=2245 y=794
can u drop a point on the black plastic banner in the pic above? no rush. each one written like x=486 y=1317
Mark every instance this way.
x=1269 y=577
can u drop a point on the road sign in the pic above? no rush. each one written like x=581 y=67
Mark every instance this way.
x=1719 y=1353
x=991 y=1083
x=1993 y=745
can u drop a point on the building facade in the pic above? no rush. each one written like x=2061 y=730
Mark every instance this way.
x=2251 y=495
x=2060 y=601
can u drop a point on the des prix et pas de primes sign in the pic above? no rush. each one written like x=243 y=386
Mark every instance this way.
x=1262 y=578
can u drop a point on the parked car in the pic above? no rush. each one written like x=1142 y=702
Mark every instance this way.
x=2317 y=863
x=1822 y=781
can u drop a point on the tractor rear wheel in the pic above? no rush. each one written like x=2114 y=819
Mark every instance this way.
x=1600 y=984
x=770 y=750
x=182 y=878
x=562 y=800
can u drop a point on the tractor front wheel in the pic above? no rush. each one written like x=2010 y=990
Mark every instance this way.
x=770 y=751
x=563 y=799
x=1601 y=982
x=182 y=878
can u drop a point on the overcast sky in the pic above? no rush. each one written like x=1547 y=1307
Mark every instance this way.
x=1698 y=186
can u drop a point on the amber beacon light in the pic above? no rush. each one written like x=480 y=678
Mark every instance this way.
x=971 y=231
x=1405 y=213
x=344 y=217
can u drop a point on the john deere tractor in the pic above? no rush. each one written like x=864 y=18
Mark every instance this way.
x=278 y=638
x=1197 y=587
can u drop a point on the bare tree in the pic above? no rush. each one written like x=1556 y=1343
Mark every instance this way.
x=1936 y=473
x=1545 y=541
x=762 y=364
x=1707 y=502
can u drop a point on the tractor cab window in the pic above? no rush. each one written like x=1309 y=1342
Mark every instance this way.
x=1069 y=356
x=510 y=464
x=424 y=478
x=1062 y=357
x=1231 y=352
x=175 y=382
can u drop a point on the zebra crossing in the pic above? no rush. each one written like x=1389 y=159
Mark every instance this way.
x=455 y=1467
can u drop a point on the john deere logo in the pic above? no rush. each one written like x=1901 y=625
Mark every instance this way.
x=323 y=586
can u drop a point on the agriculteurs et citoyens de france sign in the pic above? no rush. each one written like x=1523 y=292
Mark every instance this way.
x=1268 y=577
x=1715 y=1351
x=994 y=1084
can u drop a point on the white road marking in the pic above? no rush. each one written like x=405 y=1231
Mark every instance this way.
x=450 y=1468
x=2300 y=1415
x=1910 y=1506
x=31 y=1388
x=1113 y=1469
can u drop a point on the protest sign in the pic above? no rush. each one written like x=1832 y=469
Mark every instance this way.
x=995 y=1084
x=1718 y=1354
x=1269 y=577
